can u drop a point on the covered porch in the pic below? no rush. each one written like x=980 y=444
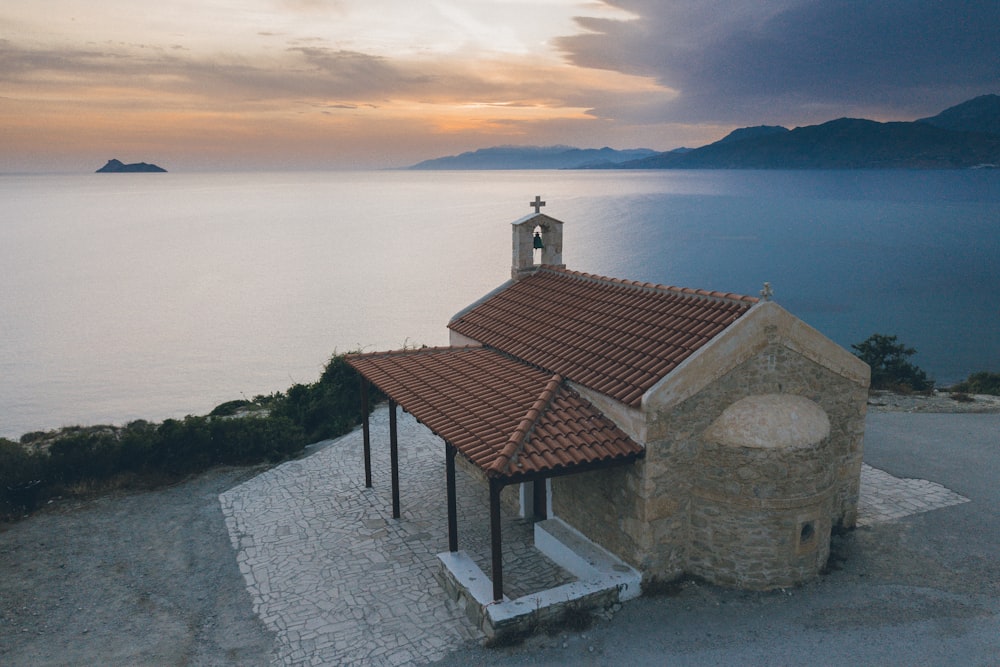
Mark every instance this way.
x=512 y=422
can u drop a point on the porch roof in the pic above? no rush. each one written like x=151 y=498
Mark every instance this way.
x=508 y=418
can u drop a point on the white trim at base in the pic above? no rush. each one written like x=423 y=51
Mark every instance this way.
x=602 y=580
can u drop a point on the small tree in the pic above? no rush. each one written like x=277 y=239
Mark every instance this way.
x=890 y=368
x=982 y=382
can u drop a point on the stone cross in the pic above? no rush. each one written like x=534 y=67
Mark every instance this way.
x=767 y=292
x=537 y=204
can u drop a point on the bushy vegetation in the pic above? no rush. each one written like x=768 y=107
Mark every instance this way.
x=270 y=429
x=982 y=382
x=20 y=471
x=326 y=408
x=891 y=369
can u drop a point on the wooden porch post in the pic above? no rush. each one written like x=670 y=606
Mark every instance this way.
x=365 y=411
x=394 y=455
x=539 y=499
x=496 y=555
x=452 y=498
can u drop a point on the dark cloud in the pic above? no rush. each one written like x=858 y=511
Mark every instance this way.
x=308 y=72
x=20 y=64
x=790 y=61
x=350 y=72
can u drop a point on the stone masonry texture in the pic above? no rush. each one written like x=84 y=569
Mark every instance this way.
x=690 y=498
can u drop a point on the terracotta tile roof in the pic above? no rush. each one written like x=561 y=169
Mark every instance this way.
x=614 y=336
x=504 y=416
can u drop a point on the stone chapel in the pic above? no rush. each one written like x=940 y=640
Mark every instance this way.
x=684 y=431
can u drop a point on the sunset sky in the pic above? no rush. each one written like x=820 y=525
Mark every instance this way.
x=289 y=84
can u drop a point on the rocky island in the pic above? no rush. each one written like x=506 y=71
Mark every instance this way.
x=118 y=167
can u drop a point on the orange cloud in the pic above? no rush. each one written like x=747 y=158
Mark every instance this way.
x=291 y=97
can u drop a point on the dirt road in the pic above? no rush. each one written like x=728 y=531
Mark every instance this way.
x=145 y=578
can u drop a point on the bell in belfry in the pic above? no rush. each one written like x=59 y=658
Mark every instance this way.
x=538 y=241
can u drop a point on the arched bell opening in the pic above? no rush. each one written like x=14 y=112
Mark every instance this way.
x=537 y=242
x=537 y=245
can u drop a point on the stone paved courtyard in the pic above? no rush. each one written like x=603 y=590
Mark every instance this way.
x=885 y=498
x=341 y=582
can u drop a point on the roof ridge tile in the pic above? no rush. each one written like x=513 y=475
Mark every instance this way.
x=508 y=454
x=650 y=286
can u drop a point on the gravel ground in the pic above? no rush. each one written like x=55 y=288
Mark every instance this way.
x=936 y=402
x=150 y=578
x=145 y=578
x=919 y=591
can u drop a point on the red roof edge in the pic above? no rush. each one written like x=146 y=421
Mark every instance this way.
x=653 y=287
x=508 y=454
x=407 y=351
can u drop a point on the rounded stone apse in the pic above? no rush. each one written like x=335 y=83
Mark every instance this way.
x=762 y=493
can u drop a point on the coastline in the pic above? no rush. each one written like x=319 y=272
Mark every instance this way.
x=879 y=400
x=935 y=402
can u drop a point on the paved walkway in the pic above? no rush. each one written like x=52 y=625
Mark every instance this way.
x=340 y=582
x=886 y=498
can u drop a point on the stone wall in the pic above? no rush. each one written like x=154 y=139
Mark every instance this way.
x=760 y=516
x=607 y=507
x=510 y=495
x=666 y=515
x=758 y=546
x=818 y=485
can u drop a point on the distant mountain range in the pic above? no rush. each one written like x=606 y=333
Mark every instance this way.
x=963 y=136
x=537 y=157
x=118 y=167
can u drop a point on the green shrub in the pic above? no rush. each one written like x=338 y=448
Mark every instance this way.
x=136 y=443
x=197 y=443
x=329 y=407
x=33 y=436
x=85 y=455
x=20 y=479
x=255 y=439
x=229 y=408
x=982 y=382
x=890 y=368
x=157 y=453
x=182 y=446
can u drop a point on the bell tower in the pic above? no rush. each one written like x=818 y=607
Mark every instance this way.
x=536 y=231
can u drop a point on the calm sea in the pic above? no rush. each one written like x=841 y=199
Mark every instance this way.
x=157 y=295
